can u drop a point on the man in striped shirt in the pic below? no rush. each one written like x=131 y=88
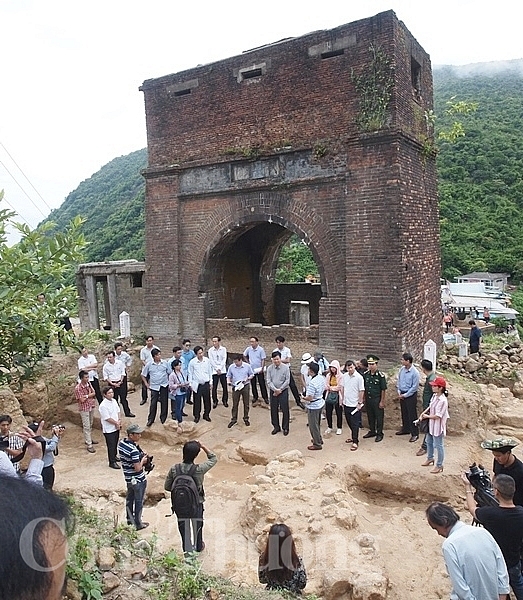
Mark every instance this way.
x=133 y=460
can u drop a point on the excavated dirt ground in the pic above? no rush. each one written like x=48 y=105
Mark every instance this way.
x=332 y=499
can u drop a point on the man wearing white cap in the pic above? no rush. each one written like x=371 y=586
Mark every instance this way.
x=304 y=371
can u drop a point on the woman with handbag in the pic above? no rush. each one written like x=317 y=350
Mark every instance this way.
x=436 y=415
x=332 y=398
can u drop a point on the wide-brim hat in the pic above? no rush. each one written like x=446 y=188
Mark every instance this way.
x=501 y=444
x=306 y=358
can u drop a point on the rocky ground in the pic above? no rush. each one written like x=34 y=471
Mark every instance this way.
x=358 y=516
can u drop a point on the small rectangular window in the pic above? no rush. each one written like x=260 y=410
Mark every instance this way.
x=136 y=280
x=183 y=92
x=332 y=53
x=251 y=74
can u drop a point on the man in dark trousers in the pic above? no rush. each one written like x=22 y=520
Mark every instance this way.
x=192 y=541
x=474 y=337
x=504 y=523
x=375 y=390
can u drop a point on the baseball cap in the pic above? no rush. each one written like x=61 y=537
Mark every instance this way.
x=135 y=429
x=439 y=381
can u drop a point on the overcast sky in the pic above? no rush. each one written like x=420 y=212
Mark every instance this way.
x=70 y=70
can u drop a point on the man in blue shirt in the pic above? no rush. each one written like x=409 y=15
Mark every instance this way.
x=255 y=356
x=408 y=384
x=474 y=561
x=474 y=337
x=155 y=376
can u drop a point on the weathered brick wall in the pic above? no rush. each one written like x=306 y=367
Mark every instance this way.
x=238 y=163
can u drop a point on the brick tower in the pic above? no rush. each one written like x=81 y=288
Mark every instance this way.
x=323 y=136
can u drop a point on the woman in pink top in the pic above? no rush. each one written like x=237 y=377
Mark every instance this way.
x=438 y=414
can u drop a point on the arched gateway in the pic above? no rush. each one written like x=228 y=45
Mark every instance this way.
x=322 y=136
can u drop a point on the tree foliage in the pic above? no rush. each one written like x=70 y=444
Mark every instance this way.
x=295 y=262
x=481 y=174
x=40 y=263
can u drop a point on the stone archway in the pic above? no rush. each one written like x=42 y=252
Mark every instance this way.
x=238 y=278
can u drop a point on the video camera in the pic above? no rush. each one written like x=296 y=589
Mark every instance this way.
x=479 y=479
x=148 y=465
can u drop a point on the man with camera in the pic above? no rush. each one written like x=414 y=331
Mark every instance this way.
x=10 y=443
x=135 y=464
x=505 y=463
x=504 y=522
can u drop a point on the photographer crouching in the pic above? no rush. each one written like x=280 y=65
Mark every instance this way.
x=135 y=464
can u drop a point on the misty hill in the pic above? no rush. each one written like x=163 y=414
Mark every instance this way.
x=481 y=180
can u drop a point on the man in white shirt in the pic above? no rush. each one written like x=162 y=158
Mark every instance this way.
x=125 y=358
x=87 y=362
x=114 y=374
x=352 y=392
x=200 y=378
x=111 y=424
x=255 y=356
x=218 y=357
x=146 y=357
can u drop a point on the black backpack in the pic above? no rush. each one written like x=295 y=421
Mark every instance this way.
x=185 y=498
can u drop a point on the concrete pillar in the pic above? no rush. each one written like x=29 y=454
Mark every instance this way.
x=112 y=317
x=93 y=317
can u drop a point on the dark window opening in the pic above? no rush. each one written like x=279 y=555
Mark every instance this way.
x=332 y=53
x=136 y=280
x=415 y=76
x=251 y=74
x=183 y=92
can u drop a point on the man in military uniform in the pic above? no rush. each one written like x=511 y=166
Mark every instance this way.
x=505 y=463
x=375 y=386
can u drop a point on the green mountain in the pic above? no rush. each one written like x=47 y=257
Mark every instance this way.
x=481 y=175
x=481 y=181
x=112 y=204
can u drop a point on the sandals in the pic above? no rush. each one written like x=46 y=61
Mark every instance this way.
x=354 y=447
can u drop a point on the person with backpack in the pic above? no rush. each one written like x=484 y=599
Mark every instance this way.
x=185 y=482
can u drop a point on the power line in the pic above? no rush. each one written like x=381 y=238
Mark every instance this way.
x=27 y=178
x=18 y=184
x=16 y=212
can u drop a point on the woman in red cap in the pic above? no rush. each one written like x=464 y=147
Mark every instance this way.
x=438 y=414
